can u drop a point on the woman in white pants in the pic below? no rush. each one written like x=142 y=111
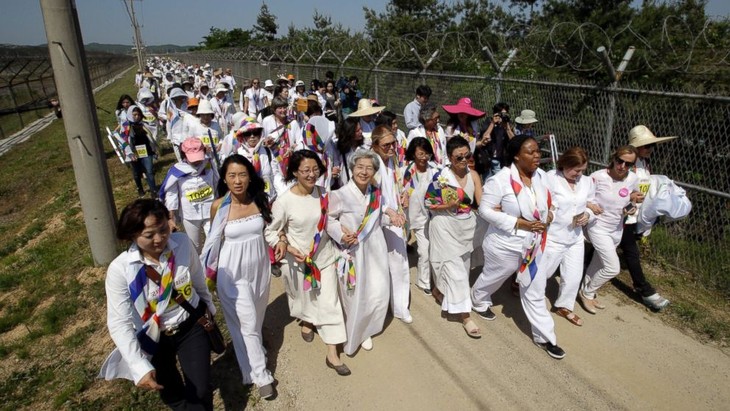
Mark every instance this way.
x=417 y=175
x=617 y=191
x=570 y=191
x=236 y=260
x=188 y=190
x=515 y=240
x=384 y=144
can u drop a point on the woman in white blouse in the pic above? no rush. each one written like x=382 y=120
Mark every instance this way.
x=515 y=240
x=150 y=328
x=298 y=235
x=570 y=191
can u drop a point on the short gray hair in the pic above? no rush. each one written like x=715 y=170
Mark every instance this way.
x=361 y=154
x=426 y=112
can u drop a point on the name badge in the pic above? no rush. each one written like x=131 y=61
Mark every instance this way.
x=141 y=151
x=206 y=140
x=200 y=194
x=644 y=188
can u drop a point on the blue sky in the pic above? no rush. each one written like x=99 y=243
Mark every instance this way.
x=185 y=22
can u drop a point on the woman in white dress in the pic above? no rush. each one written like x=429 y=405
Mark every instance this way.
x=451 y=231
x=429 y=128
x=516 y=237
x=236 y=260
x=417 y=176
x=354 y=223
x=391 y=185
x=298 y=234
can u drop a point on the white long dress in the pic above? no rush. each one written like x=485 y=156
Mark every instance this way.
x=451 y=238
x=243 y=288
x=365 y=306
x=298 y=216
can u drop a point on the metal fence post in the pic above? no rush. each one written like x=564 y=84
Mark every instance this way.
x=615 y=76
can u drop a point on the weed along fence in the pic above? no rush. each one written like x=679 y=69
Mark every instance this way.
x=27 y=86
x=595 y=117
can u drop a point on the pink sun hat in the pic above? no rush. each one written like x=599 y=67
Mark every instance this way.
x=463 y=106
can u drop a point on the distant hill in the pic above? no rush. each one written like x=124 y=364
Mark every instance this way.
x=12 y=50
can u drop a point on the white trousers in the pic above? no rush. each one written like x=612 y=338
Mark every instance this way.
x=605 y=264
x=194 y=229
x=570 y=259
x=399 y=271
x=502 y=259
x=244 y=313
x=423 y=278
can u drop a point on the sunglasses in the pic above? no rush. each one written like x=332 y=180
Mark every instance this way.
x=619 y=161
x=388 y=145
x=251 y=133
x=459 y=159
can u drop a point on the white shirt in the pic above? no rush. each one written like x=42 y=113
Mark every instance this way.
x=193 y=195
x=202 y=132
x=294 y=131
x=612 y=196
x=420 y=131
x=642 y=172
x=567 y=202
x=411 y=114
x=122 y=317
x=255 y=101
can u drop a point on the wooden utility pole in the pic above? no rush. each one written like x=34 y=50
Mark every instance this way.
x=129 y=6
x=71 y=74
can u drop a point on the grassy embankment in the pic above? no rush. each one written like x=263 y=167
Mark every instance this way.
x=52 y=305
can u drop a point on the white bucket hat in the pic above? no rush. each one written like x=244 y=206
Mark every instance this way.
x=526 y=117
x=204 y=107
x=640 y=136
x=365 y=108
x=220 y=89
x=268 y=83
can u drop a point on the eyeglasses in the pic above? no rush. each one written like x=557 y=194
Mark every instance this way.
x=251 y=133
x=459 y=159
x=388 y=145
x=620 y=161
x=424 y=156
x=255 y=83
x=314 y=171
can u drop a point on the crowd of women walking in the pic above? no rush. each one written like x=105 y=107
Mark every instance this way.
x=323 y=189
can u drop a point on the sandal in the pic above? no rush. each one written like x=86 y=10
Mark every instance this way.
x=471 y=329
x=570 y=316
x=307 y=337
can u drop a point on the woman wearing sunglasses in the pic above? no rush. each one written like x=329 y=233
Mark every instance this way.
x=451 y=231
x=617 y=192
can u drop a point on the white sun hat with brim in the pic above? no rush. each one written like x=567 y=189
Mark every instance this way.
x=640 y=136
x=268 y=83
x=365 y=108
x=220 y=89
x=526 y=117
x=178 y=92
x=204 y=107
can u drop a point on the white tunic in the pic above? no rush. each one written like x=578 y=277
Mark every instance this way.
x=567 y=202
x=612 y=195
x=439 y=149
x=366 y=305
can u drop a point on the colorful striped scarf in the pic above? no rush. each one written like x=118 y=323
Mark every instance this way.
x=531 y=210
x=312 y=275
x=444 y=189
x=433 y=138
x=151 y=311
x=312 y=139
x=281 y=147
x=213 y=241
x=372 y=212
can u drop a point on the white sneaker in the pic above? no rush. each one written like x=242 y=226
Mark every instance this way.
x=655 y=302
x=407 y=319
x=367 y=345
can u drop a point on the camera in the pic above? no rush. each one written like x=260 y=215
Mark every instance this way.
x=505 y=117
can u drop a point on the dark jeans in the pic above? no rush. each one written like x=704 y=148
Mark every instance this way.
x=192 y=390
x=633 y=262
x=144 y=165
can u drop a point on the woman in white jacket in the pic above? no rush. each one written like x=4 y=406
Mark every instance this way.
x=516 y=237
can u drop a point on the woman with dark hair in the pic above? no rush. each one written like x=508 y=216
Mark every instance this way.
x=150 y=287
x=449 y=199
x=142 y=148
x=125 y=101
x=617 y=190
x=349 y=140
x=298 y=234
x=394 y=197
x=332 y=101
x=570 y=191
x=417 y=175
x=236 y=260
x=281 y=133
x=516 y=204
x=463 y=121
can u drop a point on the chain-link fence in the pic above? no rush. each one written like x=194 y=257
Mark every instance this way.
x=26 y=86
x=595 y=117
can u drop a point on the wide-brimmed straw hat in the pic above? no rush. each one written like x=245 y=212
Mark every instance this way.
x=365 y=108
x=463 y=106
x=526 y=117
x=640 y=136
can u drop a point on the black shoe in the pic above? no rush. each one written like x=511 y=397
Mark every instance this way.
x=267 y=392
x=276 y=270
x=552 y=350
x=487 y=314
x=340 y=369
x=140 y=192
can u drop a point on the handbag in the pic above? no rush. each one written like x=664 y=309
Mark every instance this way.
x=206 y=320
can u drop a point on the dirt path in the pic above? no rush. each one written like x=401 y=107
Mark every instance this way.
x=622 y=358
